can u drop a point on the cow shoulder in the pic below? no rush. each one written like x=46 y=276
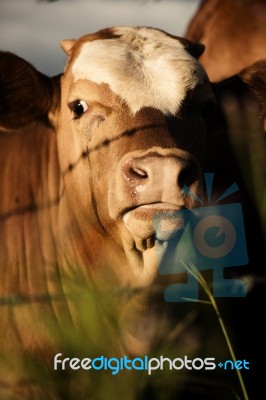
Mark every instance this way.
x=27 y=95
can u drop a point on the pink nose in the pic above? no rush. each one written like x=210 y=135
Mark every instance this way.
x=159 y=178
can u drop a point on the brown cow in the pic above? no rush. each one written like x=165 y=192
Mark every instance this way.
x=87 y=159
x=234 y=33
x=238 y=128
x=237 y=151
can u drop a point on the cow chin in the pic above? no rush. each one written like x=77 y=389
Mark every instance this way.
x=152 y=222
x=146 y=232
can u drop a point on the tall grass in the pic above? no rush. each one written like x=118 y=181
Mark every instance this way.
x=199 y=277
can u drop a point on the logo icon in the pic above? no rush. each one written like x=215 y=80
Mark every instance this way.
x=209 y=238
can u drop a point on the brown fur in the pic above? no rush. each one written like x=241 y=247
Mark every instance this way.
x=58 y=238
x=233 y=32
x=26 y=95
x=255 y=77
x=71 y=270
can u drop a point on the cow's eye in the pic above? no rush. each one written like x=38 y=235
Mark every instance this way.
x=78 y=107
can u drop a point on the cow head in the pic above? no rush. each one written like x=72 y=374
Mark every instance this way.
x=131 y=136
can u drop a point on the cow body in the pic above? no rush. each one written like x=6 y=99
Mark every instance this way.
x=233 y=33
x=87 y=160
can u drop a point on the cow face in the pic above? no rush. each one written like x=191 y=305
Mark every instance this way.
x=131 y=135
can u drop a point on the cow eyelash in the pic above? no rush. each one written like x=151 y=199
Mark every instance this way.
x=78 y=107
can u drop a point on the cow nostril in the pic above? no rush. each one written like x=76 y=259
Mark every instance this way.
x=138 y=172
x=189 y=174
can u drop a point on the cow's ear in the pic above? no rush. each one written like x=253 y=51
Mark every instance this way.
x=67 y=45
x=27 y=95
x=195 y=49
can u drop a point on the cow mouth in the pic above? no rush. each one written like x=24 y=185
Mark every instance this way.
x=150 y=223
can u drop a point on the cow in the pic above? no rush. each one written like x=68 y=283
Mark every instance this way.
x=88 y=158
x=237 y=151
x=241 y=96
x=233 y=32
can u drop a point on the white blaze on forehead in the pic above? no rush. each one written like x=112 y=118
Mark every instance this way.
x=145 y=67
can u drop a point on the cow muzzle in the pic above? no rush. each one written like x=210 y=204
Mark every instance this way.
x=150 y=183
